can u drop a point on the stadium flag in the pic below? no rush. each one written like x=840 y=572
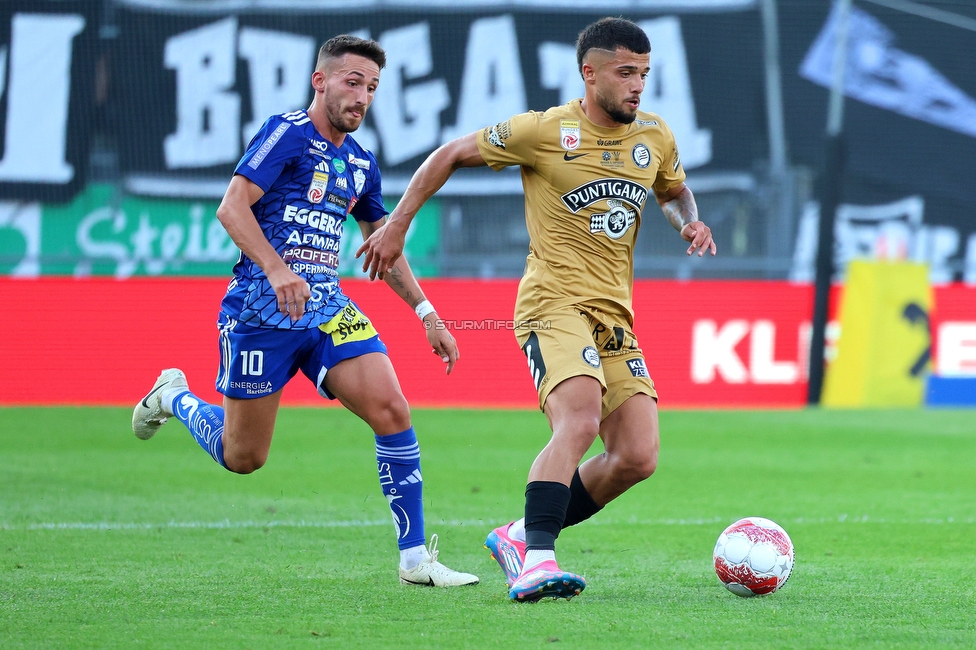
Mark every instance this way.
x=885 y=341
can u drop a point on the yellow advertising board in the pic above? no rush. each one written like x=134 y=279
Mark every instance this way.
x=884 y=346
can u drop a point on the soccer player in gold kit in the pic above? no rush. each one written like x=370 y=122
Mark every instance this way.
x=587 y=168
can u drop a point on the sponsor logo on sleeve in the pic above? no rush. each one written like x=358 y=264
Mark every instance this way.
x=359 y=180
x=496 y=135
x=569 y=134
x=269 y=144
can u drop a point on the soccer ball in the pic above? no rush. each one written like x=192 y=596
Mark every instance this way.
x=753 y=557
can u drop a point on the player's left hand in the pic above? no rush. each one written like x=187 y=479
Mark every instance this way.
x=441 y=340
x=700 y=237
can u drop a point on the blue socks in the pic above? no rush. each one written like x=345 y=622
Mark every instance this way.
x=398 y=464
x=204 y=421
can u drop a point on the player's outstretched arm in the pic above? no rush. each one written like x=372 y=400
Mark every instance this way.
x=234 y=214
x=681 y=211
x=386 y=245
x=401 y=279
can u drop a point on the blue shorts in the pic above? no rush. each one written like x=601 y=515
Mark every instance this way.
x=255 y=362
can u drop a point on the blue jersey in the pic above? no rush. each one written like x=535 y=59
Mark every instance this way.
x=310 y=187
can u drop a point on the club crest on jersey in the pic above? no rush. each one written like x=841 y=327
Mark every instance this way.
x=316 y=189
x=641 y=155
x=615 y=221
x=569 y=134
x=359 y=180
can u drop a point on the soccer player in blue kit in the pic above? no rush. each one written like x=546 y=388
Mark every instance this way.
x=285 y=208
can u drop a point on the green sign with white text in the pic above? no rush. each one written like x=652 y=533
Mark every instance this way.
x=105 y=233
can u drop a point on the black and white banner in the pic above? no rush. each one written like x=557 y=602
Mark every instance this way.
x=909 y=188
x=47 y=63
x=198 y=86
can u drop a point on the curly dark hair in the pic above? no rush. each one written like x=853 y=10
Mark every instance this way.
x=609 y=34
x=346 y=44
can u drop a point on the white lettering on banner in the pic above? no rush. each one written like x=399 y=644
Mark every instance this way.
x=218 y=247
x=492 y=86
x=668 y=91
x=408 y=117
x=956 y=345
x=279 y=67
x=879 y=74
x=406 y=114
x=889 y=231
x=763 y=368
x=38 y=91
x=714 y=349
x=713 y=353
x=558 y=70
x=208 y=114
x=25 y=218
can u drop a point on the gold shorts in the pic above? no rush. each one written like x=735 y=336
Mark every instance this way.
x=573 y=342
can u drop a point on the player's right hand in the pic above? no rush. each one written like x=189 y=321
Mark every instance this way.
x=442 y=342
x=700 y=237
x=291 y=290
x=382 y=249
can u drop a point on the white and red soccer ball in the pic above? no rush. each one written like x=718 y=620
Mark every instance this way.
x=753 y=557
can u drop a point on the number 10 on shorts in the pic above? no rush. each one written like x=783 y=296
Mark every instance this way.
x=252 y=362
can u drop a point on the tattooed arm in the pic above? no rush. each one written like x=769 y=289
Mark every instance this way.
x=681 y=211
x=400 y=278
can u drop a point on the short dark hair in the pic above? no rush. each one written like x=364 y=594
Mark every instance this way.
x=346 y=44
x=609 y=34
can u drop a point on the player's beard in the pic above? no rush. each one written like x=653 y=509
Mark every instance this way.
x=615 y=111
x=334 y=110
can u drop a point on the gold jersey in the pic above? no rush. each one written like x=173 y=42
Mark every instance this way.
x=585 y=188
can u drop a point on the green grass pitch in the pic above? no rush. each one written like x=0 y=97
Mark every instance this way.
x=110 y=542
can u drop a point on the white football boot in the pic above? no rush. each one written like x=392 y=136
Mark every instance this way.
x=431 y=573
x=149 y=414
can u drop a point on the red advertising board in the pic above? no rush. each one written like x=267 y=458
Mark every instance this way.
x=708 y=343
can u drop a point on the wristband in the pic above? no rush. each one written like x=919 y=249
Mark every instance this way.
x=423 y=309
